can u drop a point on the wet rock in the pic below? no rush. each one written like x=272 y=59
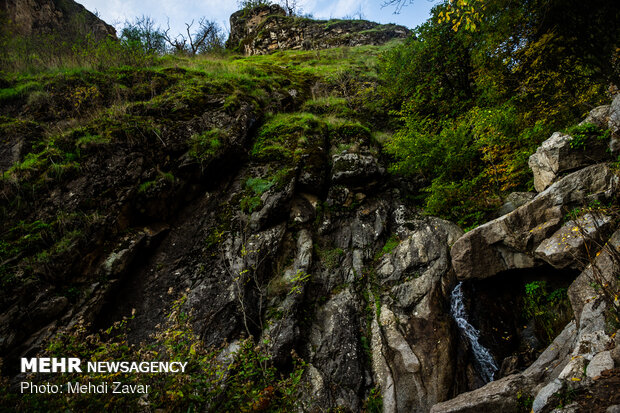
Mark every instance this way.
x=500 y=395
x=509 y=242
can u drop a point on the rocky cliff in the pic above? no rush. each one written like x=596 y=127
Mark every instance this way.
x=250 y=198
x=65 y=17
x=265 y=29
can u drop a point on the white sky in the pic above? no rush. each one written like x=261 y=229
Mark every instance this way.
x=115 y=12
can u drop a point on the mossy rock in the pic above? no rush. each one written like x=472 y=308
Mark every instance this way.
x=287 y=137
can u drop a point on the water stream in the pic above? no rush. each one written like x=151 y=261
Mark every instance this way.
x=484 y=361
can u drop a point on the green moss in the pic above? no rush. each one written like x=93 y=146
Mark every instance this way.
x=350 y=132
x=286 y=135
x=329 y=105
x=389 y=246
x=20 y=90
x=329 y=257
x=205 y=146
x=258 y=185
x=145 y=186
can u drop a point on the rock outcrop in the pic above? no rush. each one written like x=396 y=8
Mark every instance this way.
x=64 y=17
x=266 y=29
x=511 y=241
x=287 y=230
x=541 y=232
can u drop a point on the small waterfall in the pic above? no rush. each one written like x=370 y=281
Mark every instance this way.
x=483 y=359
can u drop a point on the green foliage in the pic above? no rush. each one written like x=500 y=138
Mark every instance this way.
x=142 y=33
x=298 y=280
x=524 y=402
x=388 y=247
x=145 y=186
x=20 y=90
x=550 y=311
x=250 y=204
x=258 y=185
x=329 y=257
x=374 y=401
x=583 y=134
x=473 y=105
x=250 y=4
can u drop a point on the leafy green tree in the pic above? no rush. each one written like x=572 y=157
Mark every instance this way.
x=474 y=104
x=143 y=33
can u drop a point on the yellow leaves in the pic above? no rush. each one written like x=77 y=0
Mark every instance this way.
x=462 y=13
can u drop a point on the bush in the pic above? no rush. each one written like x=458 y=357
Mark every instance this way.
x=473 y=105
x=550 y=311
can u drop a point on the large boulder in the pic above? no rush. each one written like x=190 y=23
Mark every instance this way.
x=412 y=337
x=557 y=155
x=569 y=246
x=509 y=242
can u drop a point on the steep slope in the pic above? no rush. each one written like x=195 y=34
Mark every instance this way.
x=236 y=213
x=207 y=183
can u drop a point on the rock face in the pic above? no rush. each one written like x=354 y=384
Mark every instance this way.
x=556 y=155
x=265 y=29
x=510 y=242
x=33 y=17
x=537 y=233
x=308 y=248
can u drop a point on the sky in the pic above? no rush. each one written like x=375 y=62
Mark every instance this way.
x=116 y=12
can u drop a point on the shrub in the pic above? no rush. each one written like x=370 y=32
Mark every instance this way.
x=550 y=311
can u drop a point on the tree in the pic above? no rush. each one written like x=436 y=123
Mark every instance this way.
x=143 y=33
x=461 y=13
x=291 y=7
x=207 y=37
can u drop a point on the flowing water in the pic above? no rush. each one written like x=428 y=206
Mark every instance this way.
x=483 y=359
